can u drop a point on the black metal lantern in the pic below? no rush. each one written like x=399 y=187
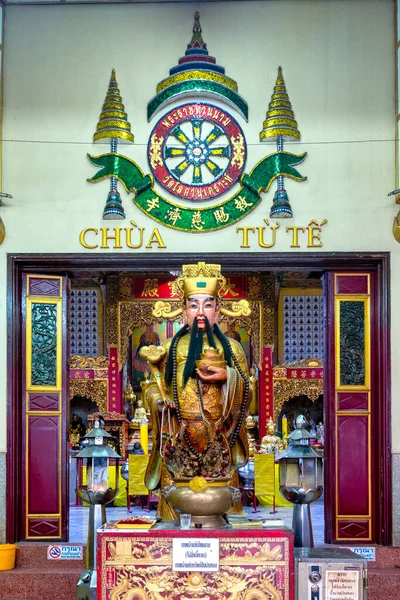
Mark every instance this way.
x=97 y=493
x=301 y=480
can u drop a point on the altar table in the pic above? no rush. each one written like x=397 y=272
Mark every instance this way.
x=254 y=564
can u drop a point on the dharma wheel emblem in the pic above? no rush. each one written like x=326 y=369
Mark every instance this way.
x=197 y=151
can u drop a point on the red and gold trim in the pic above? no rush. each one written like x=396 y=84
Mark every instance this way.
x=114 y=382
x=353 y=451
x=44 y=420
x=266 y=384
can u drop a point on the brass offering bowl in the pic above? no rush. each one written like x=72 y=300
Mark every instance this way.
x=206 y=503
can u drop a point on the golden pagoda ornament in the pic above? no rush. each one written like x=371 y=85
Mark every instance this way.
x=113 y=125
x=279 y=125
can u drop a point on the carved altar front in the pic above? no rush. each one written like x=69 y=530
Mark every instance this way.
x=254 y=564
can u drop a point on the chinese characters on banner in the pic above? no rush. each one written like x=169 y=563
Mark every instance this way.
x=266 y=387
x=114 y=382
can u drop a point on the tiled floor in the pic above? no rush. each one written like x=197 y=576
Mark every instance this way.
x=78 y=521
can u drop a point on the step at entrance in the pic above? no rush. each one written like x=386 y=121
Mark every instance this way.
x=37 y=578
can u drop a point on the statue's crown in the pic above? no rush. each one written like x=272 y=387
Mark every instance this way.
x=201 y=279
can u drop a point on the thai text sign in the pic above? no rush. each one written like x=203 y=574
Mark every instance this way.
x=342 y=585
x=195 y=554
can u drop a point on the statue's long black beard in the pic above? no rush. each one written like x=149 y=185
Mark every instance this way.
x=195 y=349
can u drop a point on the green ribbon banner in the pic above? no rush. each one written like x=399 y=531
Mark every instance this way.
x=197 y=220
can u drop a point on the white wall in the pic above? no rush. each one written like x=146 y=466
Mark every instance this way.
x=338 y=64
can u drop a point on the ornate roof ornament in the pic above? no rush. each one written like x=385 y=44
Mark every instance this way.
x=280 y=125
x=113 y=121
x=280 y=120
x=197 y=73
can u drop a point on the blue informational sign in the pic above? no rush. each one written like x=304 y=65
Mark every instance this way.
x=64 y=552
x=368 y=553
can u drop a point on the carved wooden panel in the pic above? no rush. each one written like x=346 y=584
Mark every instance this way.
x=352 y=400
x=43 y=528
x=44 y=384
x=43 y=458
x=354 y=530
x=353 y=485
x=44 y=402
x=44 y=286
x=352 y=284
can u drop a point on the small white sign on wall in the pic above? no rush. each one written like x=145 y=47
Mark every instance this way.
x=195 y=554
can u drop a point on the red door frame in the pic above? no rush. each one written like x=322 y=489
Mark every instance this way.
x=378 y=263
x=351 y=409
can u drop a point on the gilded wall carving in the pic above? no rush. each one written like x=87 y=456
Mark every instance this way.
x=268 y=321
x=95 y=389
x=112 y=310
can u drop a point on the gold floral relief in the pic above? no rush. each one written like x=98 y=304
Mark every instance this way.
x=268 y=295
x=125 y=287
x=112 y=310
x=95 y=389
x=229 y=583
x=252 y=325
x=250 y=569
x=254 y=287
x=284 y=389
x=88 y=362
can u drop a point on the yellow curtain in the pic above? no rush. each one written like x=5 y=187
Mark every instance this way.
x=266 y=481
x=137 y=470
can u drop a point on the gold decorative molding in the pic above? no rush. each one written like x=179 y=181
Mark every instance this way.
x=77 y=361
x=252 y=569
x=254 y=287
x=252 y=326
x=125 y=287
x=113 y=421
x=95 y=389
x=112 y=310
x=107 y=416
x=284 y=388
x=268 y=296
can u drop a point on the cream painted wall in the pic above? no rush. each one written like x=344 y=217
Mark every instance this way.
x=338 y=64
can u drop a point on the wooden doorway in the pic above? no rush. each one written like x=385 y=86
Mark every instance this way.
x=377 y=265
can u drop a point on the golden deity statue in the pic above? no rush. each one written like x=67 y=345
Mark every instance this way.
x=271 y=443
x=140 y=413
x=129 y=395
x=144 y=384
x=200 y=391
x=129 y=401
x=253 y=408
x=250 y=425
x=76 y=431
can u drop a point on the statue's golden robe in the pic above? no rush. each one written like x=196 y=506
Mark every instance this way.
x=221 y=409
